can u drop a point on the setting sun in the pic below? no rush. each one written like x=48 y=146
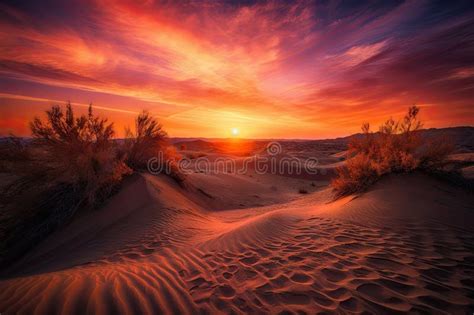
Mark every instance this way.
x=235 y=132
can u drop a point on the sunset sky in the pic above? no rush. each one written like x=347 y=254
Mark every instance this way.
x=309 y=69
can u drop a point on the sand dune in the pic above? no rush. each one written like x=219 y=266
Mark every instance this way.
x=406 y=245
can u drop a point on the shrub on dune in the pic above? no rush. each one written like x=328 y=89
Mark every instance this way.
x=396 y=148
x=149 y=141
x=144 y=142
x=358 y=174
x=78 y=153
x=70 y=163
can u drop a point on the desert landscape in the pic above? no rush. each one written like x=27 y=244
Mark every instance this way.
x=236 y=157
x=252 y=242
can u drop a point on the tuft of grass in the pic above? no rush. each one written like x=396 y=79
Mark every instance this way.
x=396 y=148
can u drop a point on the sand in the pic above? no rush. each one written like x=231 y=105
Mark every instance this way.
x=252 y=244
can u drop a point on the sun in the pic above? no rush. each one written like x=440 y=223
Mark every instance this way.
x=235 y=132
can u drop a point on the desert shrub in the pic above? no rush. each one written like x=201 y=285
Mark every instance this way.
x=70 y=163
x=148 y=141
x=77 y=152
x=359 y=173
x=145 y=142
x=396 y=148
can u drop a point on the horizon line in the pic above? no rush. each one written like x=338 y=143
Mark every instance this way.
x=261 y=139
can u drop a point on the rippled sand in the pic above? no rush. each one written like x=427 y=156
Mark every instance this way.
x=407 y=245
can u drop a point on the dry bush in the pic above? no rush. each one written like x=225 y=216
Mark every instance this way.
x=145 y=142
x=78 y=152
x=396 y=148
x=70 y=163
x=359 y=173
x=148 y=141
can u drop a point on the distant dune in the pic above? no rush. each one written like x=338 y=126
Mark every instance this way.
x=406 y=245
x=462 y=137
